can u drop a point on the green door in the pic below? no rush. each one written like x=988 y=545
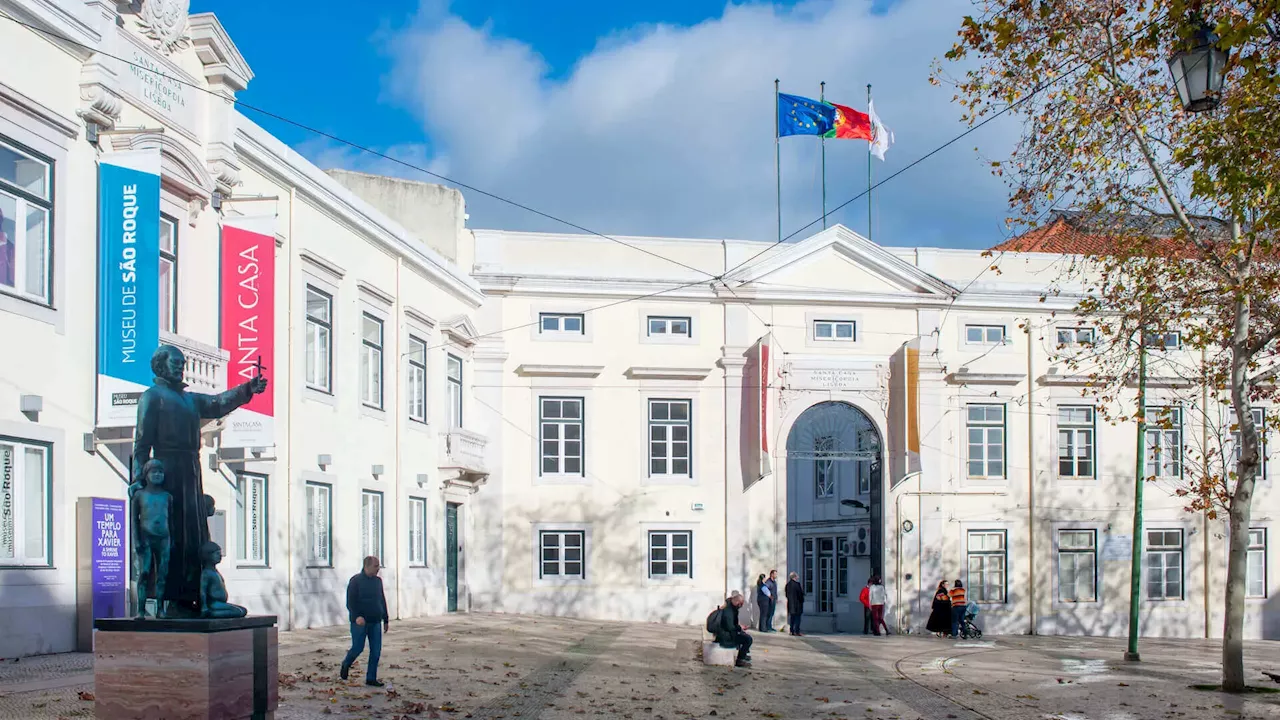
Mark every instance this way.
x=451 y=554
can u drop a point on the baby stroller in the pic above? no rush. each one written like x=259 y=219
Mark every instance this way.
x=968 y=630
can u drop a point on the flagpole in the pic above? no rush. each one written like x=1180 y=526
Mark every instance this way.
x=822 y=96
x=777 y=156
x=869 y=145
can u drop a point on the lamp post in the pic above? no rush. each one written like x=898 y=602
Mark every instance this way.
x=1198 y=69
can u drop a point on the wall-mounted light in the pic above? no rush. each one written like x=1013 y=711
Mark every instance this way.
x=422 y=480
x=378 y=470
x=31 y=405
x=324 y=461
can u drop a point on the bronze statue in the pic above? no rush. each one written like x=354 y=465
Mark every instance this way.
x=151 y=510
x=168 y=429
x=213 y=591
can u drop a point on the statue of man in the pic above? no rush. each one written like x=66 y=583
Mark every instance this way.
x=169 y=430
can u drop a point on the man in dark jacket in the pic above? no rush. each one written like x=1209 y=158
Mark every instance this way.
x=732 y=633
x=795 y=603
x=367 y=610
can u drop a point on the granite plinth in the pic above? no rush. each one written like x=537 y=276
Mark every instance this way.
x=210 y=669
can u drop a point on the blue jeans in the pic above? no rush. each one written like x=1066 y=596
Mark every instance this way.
x=957 y=618
x=372 y=631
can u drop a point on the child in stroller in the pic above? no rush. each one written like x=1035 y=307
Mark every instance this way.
x=969 y=630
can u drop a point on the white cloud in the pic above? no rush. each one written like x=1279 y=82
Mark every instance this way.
x=669 y=130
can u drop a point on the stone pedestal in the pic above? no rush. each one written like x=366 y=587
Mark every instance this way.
x=224 y=669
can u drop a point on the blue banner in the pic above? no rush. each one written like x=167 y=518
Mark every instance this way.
x=128 y=281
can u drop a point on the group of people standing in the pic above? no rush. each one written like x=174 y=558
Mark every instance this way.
x=949 y=609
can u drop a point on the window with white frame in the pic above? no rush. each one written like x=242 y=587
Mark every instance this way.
x=985 y=425
x=1164 y=564
x=168 y=274
x=26 y=209
x=824 y=467
x=1163 y=340
x=669 y=554
x=835 y=330
x=986 y=565
x=561 y=323
x=417 y=532
x=984 y=334
x=1077 y=565
x=663 y=326
x=807 y=558
x=1076 y=336
x=416 y=380
x=669 y=428
x=251 y=518
x=25 y=509
x=561 y=554
x=1259 y=422
x=560 y=426
x=1075 y=441
x=370 y=361
x=454 y=377
x=1164 y=442
x=319 y=525
x=842 y=567
x=371 y=524
x=319 y=340
x=1255 y=583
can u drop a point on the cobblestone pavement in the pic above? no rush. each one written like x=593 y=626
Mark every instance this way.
x=507 y=666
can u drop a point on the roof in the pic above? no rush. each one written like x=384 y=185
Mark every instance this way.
x=1073 y=232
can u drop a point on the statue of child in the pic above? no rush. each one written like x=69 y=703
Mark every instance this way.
x=213 y=591
x=151 y=507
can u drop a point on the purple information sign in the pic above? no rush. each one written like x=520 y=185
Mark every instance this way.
x=110 y=549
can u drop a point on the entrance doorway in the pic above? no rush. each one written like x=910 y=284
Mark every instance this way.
x=834 y=512
x=451 y=555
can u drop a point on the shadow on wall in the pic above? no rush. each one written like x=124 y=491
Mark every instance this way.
x=319 y=593
x=32 y=622
x=758 y=548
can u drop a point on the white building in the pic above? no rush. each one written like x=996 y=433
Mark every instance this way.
x=541 y=423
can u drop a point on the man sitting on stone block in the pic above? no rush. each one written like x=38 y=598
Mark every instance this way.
x=730 y=632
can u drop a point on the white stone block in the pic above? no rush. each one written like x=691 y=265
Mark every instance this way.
x=713 y=654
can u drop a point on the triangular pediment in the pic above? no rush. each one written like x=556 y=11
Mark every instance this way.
x=840 y=260
x=462 y=330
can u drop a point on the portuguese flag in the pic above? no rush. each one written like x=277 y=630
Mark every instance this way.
x=850 y=124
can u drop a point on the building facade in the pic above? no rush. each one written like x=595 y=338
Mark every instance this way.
x=546 y=423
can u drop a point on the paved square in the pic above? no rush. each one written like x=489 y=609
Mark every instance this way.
x=507 y=666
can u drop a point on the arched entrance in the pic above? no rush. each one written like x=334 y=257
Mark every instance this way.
x=834 y=511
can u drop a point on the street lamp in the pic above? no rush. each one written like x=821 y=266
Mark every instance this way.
x=1198 y=69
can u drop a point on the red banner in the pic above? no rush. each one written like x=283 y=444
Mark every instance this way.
x=248 y=326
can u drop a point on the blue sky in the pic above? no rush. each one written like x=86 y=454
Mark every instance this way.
x=632 y=117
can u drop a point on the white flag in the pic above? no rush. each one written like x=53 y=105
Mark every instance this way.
x=881 y=136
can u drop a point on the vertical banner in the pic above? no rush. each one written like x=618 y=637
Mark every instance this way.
x=128 y=281
x=766 y=362
x=754 y=438
x=107 y=558
x=913 y=405
x=247 y=308
x=904 y=411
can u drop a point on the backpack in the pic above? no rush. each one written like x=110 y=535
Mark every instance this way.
x=713 y=621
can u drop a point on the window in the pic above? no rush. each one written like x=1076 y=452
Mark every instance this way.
x=319 y=525
x=561 y=323
x=1163 y=341
x=1077 y=563
x=560 y=423
x=987 y=566
x=26 y=206
x=984 y=334
x=1260 y=422
x=824 y=468
x=1164 y=564
x=168 y=274
x=1255 y=584
x=454 y=372
x=1075 y=441
x=416 y=382
x=808 y=565
x=669 y=554
x=371 y=361
x=986 y=441
x=371 y=524
x=669 y=428
x=1076 y=336
x=25 y=470
x=842 y=567
x=561 y=554
x=834 y=330
x=319 y=339
x=1164 y=442
x=670 y=327
x=417 y=532
x=251 y=518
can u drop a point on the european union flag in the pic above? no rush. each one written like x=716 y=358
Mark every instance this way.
x=804 y=116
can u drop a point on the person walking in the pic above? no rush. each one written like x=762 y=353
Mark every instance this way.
x=795 y=603
x=367 y=611
x=958 y=604
x=762 y=603
x=864 y=597
x=877 y=596
x=940 y=617
x=772 y=582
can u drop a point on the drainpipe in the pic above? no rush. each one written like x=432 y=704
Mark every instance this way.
x=292 y=395
x=402 y=567
x=1031 y=486
x=1204 y=516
